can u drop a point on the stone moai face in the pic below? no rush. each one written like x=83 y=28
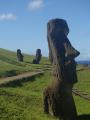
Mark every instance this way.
x=57 y=31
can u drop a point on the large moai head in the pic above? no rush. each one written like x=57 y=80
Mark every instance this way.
x=57 y=31
x=57 y=26
x=19 y=55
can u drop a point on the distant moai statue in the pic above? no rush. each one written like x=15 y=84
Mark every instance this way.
x=38 y=57
x=19 y=55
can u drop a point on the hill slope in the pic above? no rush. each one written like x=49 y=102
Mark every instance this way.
x=25 y=100
x=9 y=65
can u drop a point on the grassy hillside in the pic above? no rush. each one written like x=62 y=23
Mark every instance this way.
x=24 y=101
x=83 y=106
x=9 y=65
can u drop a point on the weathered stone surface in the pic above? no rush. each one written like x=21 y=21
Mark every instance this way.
x=52 y=100
x=58 y=101
x=19 y=55
x=61 y=54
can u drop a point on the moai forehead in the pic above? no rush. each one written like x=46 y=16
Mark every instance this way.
x=58 y=24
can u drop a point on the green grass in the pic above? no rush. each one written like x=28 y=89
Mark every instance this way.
x=83 y=106
x=9 y=65
x=25 y=100
x=84 y=80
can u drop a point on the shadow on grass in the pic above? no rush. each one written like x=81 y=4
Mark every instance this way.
x=28 y=62
x=19 y=83
x=84 y=117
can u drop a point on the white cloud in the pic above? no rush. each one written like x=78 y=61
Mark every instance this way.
x=8 y=16
x=35 y=4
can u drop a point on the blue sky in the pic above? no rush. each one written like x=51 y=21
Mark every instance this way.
x=23 y=24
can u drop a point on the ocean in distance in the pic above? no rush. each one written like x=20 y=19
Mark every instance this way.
x=83 y=62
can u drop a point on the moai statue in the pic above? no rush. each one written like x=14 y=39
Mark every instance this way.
x=38 y=56
x=59 y=97
x=19 y=55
